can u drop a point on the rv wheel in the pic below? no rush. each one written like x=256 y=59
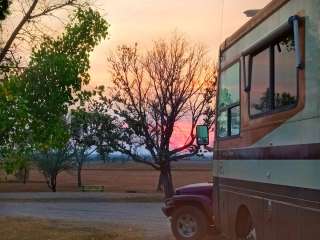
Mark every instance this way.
x=245 y=228
x=189 y=223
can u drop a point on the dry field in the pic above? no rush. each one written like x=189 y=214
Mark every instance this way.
x=115 y=178
x=31 y=229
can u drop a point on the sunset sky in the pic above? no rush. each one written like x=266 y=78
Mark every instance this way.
x=142 y=21
x=145 y=20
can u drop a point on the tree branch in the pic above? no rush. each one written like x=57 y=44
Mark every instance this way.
x=137 y=158
x=183 y=156
x=52 y=8
x=16 y=30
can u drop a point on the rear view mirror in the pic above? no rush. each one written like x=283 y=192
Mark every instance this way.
x=202 y=135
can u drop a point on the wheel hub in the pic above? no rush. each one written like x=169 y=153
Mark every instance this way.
x=187 y=226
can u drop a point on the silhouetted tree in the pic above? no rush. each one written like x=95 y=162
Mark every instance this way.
x=267 y=102
x=284 y=99
x=153 y=92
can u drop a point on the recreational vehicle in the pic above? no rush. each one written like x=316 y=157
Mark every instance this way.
x=266 y=167
x=266 y=170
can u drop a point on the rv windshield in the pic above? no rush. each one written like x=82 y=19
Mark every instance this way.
x=228 y=104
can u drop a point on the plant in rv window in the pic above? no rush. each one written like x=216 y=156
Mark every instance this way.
x=273 y=77
x=229 y=100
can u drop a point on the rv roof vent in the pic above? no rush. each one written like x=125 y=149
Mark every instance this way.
x=251 y=12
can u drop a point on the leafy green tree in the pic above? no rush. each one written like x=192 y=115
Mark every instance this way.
x=32 y=17
x=14 y=115
x=82 y=139
x=34 y=103
x=4 y=5
x=61 y=65
x=18 y=163
x=52 y=162
x=105 y=126
x=106 y=134
x=93 y=130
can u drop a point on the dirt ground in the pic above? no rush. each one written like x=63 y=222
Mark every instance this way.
x=129 y=177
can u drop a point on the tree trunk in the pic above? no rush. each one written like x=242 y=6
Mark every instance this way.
x=102 y=157
x=160 y=183
x=25 y=175
x=167 y=183
x=53 y=183
x=79 y=175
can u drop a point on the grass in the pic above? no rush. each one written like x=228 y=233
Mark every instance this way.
x=33 y=229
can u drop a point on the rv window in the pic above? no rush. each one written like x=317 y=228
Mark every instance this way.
x=223 y=124
x=273 y=77
x=229 y=86
x=285 y=74
x=260 y=83
x=235 y=121
x=228 y=103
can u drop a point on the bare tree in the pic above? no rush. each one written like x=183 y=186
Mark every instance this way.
x=153 y=92
x=31 y=24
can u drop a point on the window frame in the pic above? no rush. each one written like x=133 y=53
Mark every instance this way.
x=270 y=45
x=231 y=106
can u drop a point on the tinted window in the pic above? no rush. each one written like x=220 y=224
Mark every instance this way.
x=229 y=86
x=274 y=77
x=235 y=121
x=285 y=73
x=229 y=100
x=260 y=83
x=223 y=124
